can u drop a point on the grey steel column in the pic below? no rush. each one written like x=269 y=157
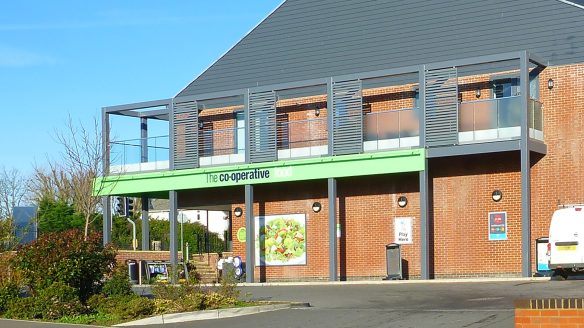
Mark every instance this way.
x=144 y=159
x=424 y=182
x=330 y=115
x=525 y=168
x=172 y=216
x=105 y=142
x=247 y=132
x=145 y=224
x=171 y=135
x=424 y=224
x=143 y=140
x=332 y=218
x=106 y=201
x=107 y=219
x=249 y=235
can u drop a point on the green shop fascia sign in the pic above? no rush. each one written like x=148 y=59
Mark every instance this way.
x=260 y=173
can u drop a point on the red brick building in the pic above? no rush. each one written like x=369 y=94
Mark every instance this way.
x=315 y=146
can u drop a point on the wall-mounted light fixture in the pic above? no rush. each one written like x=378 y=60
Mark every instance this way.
x=402 y=201
x=317 y=112
x=478 y=93
x=497 y=195
x=238 y=211
x=550 y=84
x=316 y=207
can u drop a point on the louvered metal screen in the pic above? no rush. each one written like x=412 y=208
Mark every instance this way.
x=262 y=127
x=441 y=107
x=347 y=118
x=186 y=135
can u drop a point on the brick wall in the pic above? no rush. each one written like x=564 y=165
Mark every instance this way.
x=549 y=313
x=557 y=178
x=124 y=256
x=462 y=188
x=461 y=203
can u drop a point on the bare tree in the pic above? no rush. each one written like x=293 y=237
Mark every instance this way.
x=72 y=177
x=13 y=191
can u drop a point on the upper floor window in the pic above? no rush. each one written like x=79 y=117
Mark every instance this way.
x=240 y=133
x=505 y=88
x=509 y=87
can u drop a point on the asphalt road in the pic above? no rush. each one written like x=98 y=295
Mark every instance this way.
x=394 y=304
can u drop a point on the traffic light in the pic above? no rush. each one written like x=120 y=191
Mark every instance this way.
x=129 y=207
x=120 y=206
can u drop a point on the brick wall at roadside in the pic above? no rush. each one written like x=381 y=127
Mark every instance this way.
x=549 y=313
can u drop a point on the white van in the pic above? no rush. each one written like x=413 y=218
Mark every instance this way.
x=566 y=241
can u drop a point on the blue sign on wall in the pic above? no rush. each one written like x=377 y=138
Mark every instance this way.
x=497 y=225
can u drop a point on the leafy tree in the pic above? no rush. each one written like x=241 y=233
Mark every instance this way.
x=193 y=234
x=58 y=215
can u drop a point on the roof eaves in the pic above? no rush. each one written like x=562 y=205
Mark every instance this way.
x=572 y=3
x=228 y=50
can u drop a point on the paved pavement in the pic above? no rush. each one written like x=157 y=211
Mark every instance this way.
x=393 y=304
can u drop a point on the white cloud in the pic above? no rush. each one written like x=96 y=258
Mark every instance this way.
x=13 y=57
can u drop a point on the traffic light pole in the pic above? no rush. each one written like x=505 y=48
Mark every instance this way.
x=145 y=225
x=106 y=205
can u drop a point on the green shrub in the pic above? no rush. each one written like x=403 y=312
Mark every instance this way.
x=228 y=286
x=216 y=300
x=174 y=292
x=25 y=309
x=59 y=300
x=118 y=284
x=89 y=319
x=122 y=307
x=65 y=257
x=51 y=303
x=8 y=293
x=135 y=308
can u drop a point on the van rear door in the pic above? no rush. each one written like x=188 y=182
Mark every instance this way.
x=566 y=238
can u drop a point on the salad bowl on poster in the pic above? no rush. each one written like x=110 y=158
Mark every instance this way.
x=280 y=240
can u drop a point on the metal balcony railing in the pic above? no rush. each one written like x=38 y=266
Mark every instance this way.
x=494 y=119
x=481 y=120
x=535 y=111
x=302 y=138
x=126 y=155
x=221 y=146
x=391 y=129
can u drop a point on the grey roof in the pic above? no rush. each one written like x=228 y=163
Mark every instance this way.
x=307 y=39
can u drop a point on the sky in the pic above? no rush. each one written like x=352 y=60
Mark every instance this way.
x=71 y=58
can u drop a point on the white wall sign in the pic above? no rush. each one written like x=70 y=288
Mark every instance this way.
x=402 y=228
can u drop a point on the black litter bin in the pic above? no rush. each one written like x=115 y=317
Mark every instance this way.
x=393 y=262
x=133 y=271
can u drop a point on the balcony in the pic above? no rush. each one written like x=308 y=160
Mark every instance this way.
x=497 y=119
x=126 y=156
x=392 y=129
x=302 y=138
x=221 y=146
x=341 y=115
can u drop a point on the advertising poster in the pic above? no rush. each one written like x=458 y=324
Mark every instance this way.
x=280 y=240
x=402 y=228
x=497 y=225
